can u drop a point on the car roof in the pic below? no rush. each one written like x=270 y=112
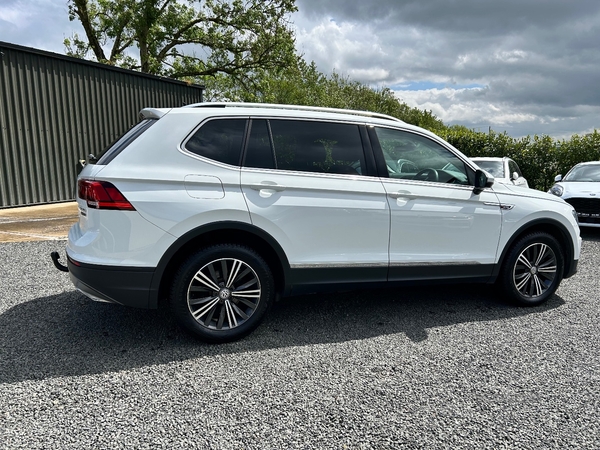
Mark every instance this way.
x=288 y=111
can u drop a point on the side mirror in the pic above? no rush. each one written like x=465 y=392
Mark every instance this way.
x=515 y=176
x=482 y=181
x=557 y=178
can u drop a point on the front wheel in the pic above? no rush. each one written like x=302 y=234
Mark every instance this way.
x=533 y=269
x=222 y=293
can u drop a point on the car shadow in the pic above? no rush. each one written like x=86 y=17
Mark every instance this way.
x=590 y=234
x=69 y=335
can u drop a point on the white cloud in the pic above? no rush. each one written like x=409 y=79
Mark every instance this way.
x=510 y=56
x=341 y=47
x=466 y=107
x=15 y=14
x=41 y=24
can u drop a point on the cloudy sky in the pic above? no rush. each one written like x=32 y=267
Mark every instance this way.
x=522 y=66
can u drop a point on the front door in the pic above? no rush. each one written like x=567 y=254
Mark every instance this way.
x=440 y=229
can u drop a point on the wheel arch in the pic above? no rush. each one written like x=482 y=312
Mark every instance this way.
x=550 y=226
x=215 y=233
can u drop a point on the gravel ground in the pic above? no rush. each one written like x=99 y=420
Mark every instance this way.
x=435 y=367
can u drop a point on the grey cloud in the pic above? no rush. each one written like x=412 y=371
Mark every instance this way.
x=533 y=57
x=460 y=15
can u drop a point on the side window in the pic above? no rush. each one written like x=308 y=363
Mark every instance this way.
x=414 y=157
x=513 y=167
x=219 y=139
x=306 y=146
x=259 y=152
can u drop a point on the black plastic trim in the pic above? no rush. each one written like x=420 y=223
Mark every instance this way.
x=377 y=153
x=368 y=152
x=312 y=280
x=129 y=286
x=308 y=280
x=447 y=272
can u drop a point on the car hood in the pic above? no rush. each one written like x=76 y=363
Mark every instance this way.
x=503 y=180
x=580 y=188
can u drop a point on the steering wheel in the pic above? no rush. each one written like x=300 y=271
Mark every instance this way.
x=427 y=175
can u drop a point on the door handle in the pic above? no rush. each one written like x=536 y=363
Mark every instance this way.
x=267 y=186
x=402 y=194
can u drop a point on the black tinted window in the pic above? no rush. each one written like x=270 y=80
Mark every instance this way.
x=219 y=139
x=309 y=146
x=259 y=152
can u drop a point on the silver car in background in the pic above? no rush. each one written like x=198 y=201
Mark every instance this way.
x=581 y=188
x=504 y=170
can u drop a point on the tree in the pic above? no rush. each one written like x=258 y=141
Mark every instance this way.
x=304 y=84
x=186 y=38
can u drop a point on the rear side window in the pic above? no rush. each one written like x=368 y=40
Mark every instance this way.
x=120 y=144
x=220 y=140
x=305 y=146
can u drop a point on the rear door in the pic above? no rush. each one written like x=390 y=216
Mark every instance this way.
x=307 y=184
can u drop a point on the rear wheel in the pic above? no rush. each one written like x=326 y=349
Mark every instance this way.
x=533 y=269
x=222 y=292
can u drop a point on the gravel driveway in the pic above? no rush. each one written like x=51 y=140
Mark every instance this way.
x=432 y=367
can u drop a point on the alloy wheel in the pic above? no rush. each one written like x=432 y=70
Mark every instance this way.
x=535 y=270
x=223 y=294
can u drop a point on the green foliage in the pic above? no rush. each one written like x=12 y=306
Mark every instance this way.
x=540 y=158
x=303 y=84
x=232 y=37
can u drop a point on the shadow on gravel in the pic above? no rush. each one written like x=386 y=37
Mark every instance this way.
x=67 y=334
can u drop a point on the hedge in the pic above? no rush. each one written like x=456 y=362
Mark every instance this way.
x=540 y=158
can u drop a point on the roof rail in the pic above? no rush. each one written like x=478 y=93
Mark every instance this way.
x=292 y=107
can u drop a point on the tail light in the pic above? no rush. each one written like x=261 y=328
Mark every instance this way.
x=102 y=195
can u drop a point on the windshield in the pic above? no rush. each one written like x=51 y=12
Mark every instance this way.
x=584 y=173
x=495 y=168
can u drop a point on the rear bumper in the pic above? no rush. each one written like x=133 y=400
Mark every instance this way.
x=129 y=286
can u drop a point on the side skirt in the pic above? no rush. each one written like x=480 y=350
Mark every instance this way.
x=328 y=279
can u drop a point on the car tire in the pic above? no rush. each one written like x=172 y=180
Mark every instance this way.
x=533 y=269
x=222 y=292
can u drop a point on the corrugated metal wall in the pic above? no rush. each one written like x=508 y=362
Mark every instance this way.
x=55 y=110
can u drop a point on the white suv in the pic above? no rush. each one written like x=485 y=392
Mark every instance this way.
x=222 y=208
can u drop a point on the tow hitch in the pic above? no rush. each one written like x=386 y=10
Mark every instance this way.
x=55 y=257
